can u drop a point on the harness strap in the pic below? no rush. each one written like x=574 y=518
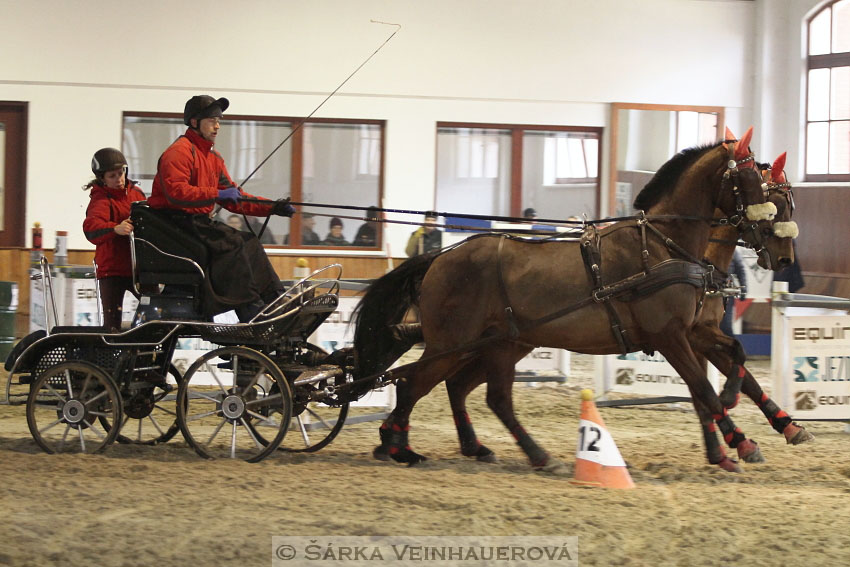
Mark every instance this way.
x=513 y=328
x=592 y=255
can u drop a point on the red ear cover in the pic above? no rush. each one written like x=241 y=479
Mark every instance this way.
x=777 y=172
x=728 y=136
x=742 y=148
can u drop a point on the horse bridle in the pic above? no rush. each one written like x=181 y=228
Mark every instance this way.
x=747 y=215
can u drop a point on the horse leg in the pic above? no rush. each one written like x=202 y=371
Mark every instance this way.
x=730 y=361
x=394 y=431
x=459 y=386
x=715 y=451
x=794 y=433
x=726 y=354
x=678 y=353
x=500 y=365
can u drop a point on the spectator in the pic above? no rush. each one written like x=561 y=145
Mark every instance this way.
x=367 y=234
x=426 y=238
x=529 y=213
x=335 y=237
x=736 y=268
x=308 y=235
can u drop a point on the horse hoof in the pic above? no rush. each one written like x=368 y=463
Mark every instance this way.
x=729 y=465
x=749 y=452
x=796 y=434
x=408 y=456
x=381 y=453
x=728 y=401
x=555 y=467
x=483 y=454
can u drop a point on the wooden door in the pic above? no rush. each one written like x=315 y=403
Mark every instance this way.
x=13 y=170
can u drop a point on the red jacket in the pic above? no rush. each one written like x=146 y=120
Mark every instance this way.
x=108 y=208
x=189 y=175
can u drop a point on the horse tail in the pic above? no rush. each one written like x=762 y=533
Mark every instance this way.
x=385 y=303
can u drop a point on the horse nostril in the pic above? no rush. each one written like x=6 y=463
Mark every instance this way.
x=784 y=261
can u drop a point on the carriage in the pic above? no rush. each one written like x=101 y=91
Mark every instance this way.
x=88 y=387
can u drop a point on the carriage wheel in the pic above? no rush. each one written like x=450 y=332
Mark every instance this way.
x=315 y=424
x=150 y=413
x=221 y=405
x=65 y=405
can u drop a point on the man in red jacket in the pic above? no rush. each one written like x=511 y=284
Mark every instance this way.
x=191 y=178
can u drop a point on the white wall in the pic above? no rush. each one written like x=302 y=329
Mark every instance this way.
x=81 y=63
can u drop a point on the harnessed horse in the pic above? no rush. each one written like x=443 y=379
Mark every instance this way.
x=489 y=301
x=725 y=353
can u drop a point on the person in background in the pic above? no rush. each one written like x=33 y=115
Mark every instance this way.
x=107 y=225
x=335 y=237
x=367 y=234
x=308 y=235
x=426 y=238
x=529 y=213
x=235 y=221
x=191 y=179
x=737 y=269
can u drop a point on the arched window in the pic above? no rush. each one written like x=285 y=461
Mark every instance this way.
x=828 y=100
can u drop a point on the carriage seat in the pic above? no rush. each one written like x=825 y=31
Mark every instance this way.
x=164 y=255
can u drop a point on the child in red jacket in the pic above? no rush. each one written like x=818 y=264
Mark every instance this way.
x=107 y=226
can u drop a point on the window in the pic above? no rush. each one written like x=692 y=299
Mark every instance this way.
x=501 y=170
x=340 y=161
x=828 y=104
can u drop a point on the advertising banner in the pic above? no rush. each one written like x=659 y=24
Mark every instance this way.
x=812 y=377
x=642 y=374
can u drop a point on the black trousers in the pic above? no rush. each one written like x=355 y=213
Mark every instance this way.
x=112 y=290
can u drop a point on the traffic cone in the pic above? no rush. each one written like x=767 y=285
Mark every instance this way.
x=598 y=461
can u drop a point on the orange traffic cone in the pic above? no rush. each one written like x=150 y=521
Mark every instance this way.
x=598 y=461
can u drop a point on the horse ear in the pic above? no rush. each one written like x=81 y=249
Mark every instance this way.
x=742 y=148
x=777 y=171
x=728 y=136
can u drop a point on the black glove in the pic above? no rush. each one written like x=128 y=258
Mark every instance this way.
x=282 y=208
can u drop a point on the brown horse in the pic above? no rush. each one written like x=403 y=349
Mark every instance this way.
x=487 y=302
x=725 y=353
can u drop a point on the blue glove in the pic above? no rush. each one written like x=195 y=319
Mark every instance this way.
x=231 y=194
x=282 y=208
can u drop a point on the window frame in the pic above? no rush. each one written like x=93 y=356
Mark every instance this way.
x=516 y=132
x=822 y=61
x=296 y=166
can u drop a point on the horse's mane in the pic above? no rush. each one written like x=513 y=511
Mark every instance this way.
x=668 y=174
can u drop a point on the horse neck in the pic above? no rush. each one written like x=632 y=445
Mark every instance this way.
x=720 y=254
x=696 y=194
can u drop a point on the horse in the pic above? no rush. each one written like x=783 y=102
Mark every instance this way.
x=725 y=353
x=487 y=302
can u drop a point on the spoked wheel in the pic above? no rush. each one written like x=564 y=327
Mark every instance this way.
x=150 y=411
x=315 y=424
x=221 y=405
x=66 y=404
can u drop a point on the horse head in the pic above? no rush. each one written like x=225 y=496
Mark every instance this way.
x=777 y=234
x=743 y=197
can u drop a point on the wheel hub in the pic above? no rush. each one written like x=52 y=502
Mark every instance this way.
x=233 y=407
x=74 y=412
x=140 y=405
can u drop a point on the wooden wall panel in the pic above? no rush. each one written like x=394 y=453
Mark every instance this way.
x=823 y=215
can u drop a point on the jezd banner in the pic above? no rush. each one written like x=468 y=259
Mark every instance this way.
x=815 y=369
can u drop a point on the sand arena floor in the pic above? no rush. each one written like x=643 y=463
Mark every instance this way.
x=163 y=505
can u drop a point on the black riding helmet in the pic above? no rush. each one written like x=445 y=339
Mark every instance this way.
x=204 y=106
x=107 y=159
